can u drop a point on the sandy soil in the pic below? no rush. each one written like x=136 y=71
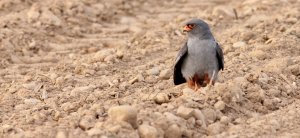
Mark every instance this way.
x=66 y=66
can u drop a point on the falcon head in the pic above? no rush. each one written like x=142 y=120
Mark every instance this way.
x=196 y=27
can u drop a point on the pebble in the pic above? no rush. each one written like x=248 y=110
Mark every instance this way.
x=154 y=71
x=185 y=112
x=161 y=98
x=224 y=120
x=147 y=131
x=259 y=54
x=223 y=11
x=94 y=132
x=220 y=105
x=291 y=20
x=173 y=132
x=86 y=123
x=165 y=74
x=33 y=14
x=215 y=128
x=124 y=113
x=171 y=117
x=60 y=134
x=239 y=44
x=101 y=55
x=31 y=101
x=199 y=116
x=210 y=115
x=295 y=69
x=49 y=18
x=247 y=36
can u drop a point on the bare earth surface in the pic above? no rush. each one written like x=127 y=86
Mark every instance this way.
x=68 y=67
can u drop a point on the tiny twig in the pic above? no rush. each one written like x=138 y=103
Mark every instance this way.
x=235 y=14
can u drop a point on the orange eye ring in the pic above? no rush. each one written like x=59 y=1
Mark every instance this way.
x=188 y=27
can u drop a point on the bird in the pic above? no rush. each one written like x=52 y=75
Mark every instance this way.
x=201 y=57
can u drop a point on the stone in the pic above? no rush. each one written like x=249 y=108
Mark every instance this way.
x=124 y=113
x=259 y=54
x=171 y=117
x=173 y=131
x=210 y=115
x=165 y=74
x=154 y=71
x=199 y=116
x=295 y=69
x=161 y=98
x=224 y=120
x=185 y=112
x=31 y=101
x=223 y=12
x=146 y=131
x=86 y=123
x=94 y=132
x=33 y=13
x=220 y=105
x=101 y=55
x=215 y=128
x=49 y=18
x=60 y=134
x=239 y=44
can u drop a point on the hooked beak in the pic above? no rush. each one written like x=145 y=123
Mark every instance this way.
x=187 y=28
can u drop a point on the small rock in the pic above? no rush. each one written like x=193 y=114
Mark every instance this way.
x=200 y=123
x=165 y=74
x=147 y=131
x=31 y=101
x=247 y=36
x=259 y=54
x=161 y=98
x=49 y=18
x=154 y=71
x=124 y=113
x=199 y=116
x=68 y=107
x=101 y=55
x=171 y=117
x=215 y=128
x=239 y=44
x=60 y=134
x=220 y=105
x=191 y=121
x=86 y=123
x=224 y=120
x=185 y=112
x=223 y=11
x=291 y=20
x=295 y=69
x=94 y=132
x=34 y=13
x=119 y=54
x=271 y=104
x=173 y=132
x=109 y=58
x=210 y=115
x=92 y=49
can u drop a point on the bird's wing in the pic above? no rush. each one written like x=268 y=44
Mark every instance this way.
x=177 y=77
x=220 y=56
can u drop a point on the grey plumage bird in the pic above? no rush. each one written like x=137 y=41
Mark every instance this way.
x=200 y=59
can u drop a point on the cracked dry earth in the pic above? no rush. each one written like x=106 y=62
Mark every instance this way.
x=71 y=68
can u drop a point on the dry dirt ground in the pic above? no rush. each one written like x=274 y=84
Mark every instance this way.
x=68 y=67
